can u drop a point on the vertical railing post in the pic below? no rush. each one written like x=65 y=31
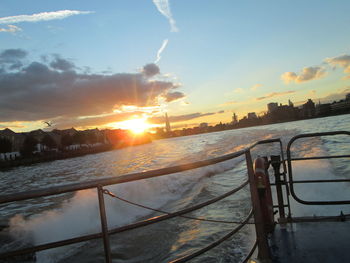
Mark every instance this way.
x=276 y=164
x=263 y=248
x=104 y=225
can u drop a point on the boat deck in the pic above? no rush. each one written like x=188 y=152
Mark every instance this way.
x=311 y=242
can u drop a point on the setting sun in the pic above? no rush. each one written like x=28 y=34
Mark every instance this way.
x=136 y=126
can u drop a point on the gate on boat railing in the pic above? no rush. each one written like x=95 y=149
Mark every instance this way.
x=106 y=232
x=292 y=181
x=259 y=212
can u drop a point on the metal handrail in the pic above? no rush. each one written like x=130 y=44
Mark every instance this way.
x=114 y=180
x=123 y=228
x=215 y=243
x=123 y=179
x=290 y=171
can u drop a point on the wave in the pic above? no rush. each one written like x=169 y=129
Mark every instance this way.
x=80 y=215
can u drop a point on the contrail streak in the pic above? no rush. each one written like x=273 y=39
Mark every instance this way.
x=44 y=16
x=164 y=8
x=164 y=44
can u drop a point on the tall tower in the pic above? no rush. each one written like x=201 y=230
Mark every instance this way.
x=234 y=119
x=167 y=123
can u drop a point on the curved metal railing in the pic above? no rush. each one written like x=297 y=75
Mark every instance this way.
x=292 y=181
x=100 y=183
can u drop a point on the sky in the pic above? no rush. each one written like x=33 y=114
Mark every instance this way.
x=88 y=64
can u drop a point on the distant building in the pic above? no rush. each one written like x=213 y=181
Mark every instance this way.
x=340 y=106
x=234 y=119
x=69 y=132
x=290 y=103
x=167 y=124
x=323 y=109
x=308 y=109
x=252 y=116
x=16 y=139
x=272 y=106
x=203 y=125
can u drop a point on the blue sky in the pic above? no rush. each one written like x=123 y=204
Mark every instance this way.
x=226 y=56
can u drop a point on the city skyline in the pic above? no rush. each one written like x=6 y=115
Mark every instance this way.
x=88 y=65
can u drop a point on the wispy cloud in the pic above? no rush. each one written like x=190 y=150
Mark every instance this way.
x=164 y=8
x=275 y=94
x=179 y=118
x=10 y=29
x=159 y=53
x=44 y=16
x=238 y=90
x=229 y=103
x=255 y=87
x=172 y=96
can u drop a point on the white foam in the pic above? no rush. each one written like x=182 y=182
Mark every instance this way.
x=80 y=215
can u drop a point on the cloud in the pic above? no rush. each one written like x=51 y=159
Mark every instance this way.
x=94 y=121
x=150 y=70
x=11 y=55
x=164 y=8
x=336 y=96
x=44 y=16
x=307 y=74
x=164 y=44
x=312 y=92
x=171 y=96
x=61 y=64
x=56 y=89
x=255 y=87
x=11 y=126
x=340 y=61
x=179 y=118
x=229 y=103
x=238 y=90
x=11 y=29
x=275 y=94
x=11 y=59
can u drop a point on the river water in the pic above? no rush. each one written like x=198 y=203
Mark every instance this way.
x=65 y=216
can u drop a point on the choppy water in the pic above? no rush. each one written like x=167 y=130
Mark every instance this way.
x=65 y=216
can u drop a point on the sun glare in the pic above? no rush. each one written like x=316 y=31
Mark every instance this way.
x=136 y=126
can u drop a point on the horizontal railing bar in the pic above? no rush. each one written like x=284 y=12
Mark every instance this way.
x=344 y=202
x=118 y=180
x=317 y=219
x=264 y=142
x=214 y=244
x=115 y=180
x=318 y=134
x=290 y=159
x=107 y=192
x=183 y=211
x=321 y=181
x=276 y=206
x=125 y=178
x=320 y=157
x=120 y=229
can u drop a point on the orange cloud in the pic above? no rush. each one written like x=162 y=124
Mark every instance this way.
x=307 y=74
x=275 y=94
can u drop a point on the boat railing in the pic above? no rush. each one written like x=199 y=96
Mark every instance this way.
x=105 y=232
x=291 y=159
